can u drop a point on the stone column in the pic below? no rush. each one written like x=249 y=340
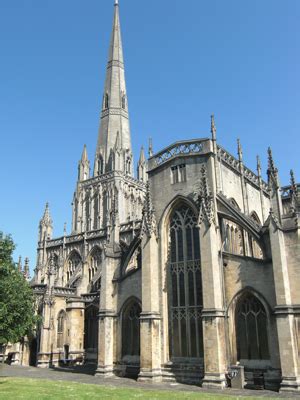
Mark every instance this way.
x=75 y=329
x=288 y=348
x=212 y=287
x=150 y=318
x=213 y=310
x=107 y=313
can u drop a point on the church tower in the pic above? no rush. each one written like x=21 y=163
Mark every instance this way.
x=114 y=125
x=112 y=183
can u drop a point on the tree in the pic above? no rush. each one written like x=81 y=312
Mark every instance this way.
x=17 y=310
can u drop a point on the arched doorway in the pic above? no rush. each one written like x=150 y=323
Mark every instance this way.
x=131 y=337
x=251 y=329
x=185 y=286
x=91 y=328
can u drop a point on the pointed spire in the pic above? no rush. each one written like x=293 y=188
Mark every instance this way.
x=114 y=117
x=150 y=151
x=142 y=156
x=46 y=217
x=84 y=166
x=26 y=268
x=20 y=264
x=272 y=170
x=240 y=151
x=45 y=227
x=213 y=128
x=258 y=166
x=142 y=167
x=84 y=156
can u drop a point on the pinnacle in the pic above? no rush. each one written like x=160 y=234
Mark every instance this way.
x=142 y=156
x=84 y=156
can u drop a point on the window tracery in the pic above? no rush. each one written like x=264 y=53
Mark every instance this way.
x=131 y=330
x=185 y=285
x=95 y=263
x=73 y=262
x=61 y=322
x=251 y=329
x=240 y=242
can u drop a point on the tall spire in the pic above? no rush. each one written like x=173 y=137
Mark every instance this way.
x=114 y=115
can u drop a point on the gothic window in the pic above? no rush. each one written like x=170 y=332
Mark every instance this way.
x=106 y=101
x=96 y=210
x=185 y=285
x=251 y=329
x=131 y=330
x=73 y=262
x=95 y=263
x=87 y=212
x=61 y=322
x=91 y=328
x=235 y=239
x=178 y=173
x=124 y=102
x=255 y=218
x=234 y=203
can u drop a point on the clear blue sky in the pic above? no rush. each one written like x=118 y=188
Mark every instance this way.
x=184 y=60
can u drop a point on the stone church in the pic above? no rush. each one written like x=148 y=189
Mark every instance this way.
x=177 y=274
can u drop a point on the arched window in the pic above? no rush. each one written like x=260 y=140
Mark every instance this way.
x=185 y=285
x=106 y=101
x=61 y=322
x=255 y=217
x=91 y=328
x=124 y=102
x=131 y=330
x=95 y=263
x=73 y=262
x=96 y=210
x=251 y=329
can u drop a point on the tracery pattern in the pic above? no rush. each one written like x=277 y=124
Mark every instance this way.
x=251 y=329
x=185 y=285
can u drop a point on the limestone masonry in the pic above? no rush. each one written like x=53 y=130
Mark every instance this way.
x=179 y=274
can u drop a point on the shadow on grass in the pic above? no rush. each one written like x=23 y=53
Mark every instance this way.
x=87 y=370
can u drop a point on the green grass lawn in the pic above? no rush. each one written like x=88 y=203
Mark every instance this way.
x=38 y=389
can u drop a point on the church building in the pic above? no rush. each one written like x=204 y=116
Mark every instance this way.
x=177 y=273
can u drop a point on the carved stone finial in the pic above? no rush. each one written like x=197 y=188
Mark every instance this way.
x=65 y=229
x=20 y=264
x=240 y=151
x=213 y=128
x=150 y=151
x=258 y=166
x=26 y=268
x=205 y=200
x=293 y=181
x=272 y=170
x=149 y=226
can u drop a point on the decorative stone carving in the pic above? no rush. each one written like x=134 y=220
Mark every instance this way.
x=149 y=226
x=204 y=199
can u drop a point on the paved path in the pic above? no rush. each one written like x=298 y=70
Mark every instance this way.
x=88 y=377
